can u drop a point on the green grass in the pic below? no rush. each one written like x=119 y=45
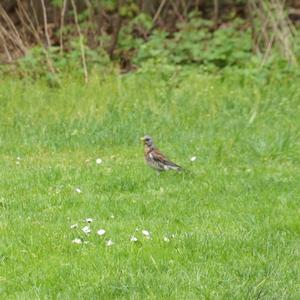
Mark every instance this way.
x=235 y=217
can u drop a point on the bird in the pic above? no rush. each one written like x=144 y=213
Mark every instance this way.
x=155 y=159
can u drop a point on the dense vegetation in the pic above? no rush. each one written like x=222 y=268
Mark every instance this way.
x=48 y=38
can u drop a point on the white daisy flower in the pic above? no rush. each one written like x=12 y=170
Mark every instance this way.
x=166 y=239
x=77 y=241
x=193 y=158
x=86 y=229
x=78 y=190
x=146 y=234
x=74 y=226
x=18 y=158
x=133 y=239
x=112 y=216
x=89 y=220
x=98 y=161
x=101 y=232
x=109 y=243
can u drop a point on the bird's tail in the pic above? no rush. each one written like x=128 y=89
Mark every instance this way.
x=174 y=166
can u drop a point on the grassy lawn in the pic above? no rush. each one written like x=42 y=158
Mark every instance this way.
x=229 y=229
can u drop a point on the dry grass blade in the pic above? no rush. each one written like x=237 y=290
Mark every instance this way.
x=13 y=34
x=273 y=30
x=4 y=45
x=158 y=11
x=28 y=24
x=80 y=41
x=26 y=21
x=45 y=23
x=62 y=18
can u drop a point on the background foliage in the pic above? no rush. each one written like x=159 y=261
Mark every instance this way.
x=47 y=38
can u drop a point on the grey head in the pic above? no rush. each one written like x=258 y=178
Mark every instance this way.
x=147 y=140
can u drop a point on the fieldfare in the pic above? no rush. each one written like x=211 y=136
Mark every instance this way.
x=155 y=159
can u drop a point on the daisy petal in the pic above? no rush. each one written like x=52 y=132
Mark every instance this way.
x=109 y=243
x=74 y=226
x=146 y=234
x=133 y=239
x=86 y=229
x=101 y=232
x=98 y=161
x=77 y=241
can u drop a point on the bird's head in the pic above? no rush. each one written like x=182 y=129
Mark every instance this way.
x=147 y=140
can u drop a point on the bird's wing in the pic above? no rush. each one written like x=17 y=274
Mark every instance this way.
x=160 y=158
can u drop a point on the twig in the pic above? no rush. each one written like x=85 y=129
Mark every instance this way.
x=62 y=18
x=80 y=41
x=281 y=29
x=163 y=2
x=275 y=29
x=35 y=33
x=34 y=14
x=29 y=27
x=46 y=23
x=216 y=12
x=23 y=16
x=9 y=58
x=11 y=37
x=16 y=38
